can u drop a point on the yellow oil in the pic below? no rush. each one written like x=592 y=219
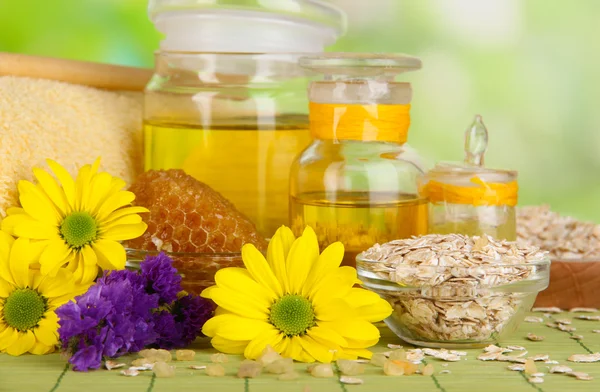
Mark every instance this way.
x=359 y=220
x=247 y=165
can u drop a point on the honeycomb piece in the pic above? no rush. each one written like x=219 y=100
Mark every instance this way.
x=187 y=215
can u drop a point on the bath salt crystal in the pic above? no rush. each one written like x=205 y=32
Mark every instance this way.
x=378 y=360
x=350 y=368
x=155 y=355
x=323 y=370
x=428 y=370
x=280 y=366
x=219 y=358
x=249 y=369
x=215 y=370
x=142 y=362
x=398 y=355
x=185 y=355
x=269 y=355
x=392 y=369
x=288 y=376
x=530 y=367
x=163 y=370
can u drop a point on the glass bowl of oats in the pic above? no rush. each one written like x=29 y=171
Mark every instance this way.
x=454 y=291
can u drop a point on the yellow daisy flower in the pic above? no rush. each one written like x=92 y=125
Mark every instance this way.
x=298 y=301
x=78 y=222
x=28 y=300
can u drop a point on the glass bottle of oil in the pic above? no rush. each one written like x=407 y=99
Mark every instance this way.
x=467 y=198
x=227 y=102
x=356 y=183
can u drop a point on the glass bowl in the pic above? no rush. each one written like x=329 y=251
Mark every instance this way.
x=456 y=307
x=197 y=269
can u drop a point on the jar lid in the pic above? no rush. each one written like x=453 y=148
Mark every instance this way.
x=261 y=26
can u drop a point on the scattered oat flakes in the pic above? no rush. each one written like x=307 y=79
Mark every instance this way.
x=540 y=357
x=538 y=375
x=583 y=310
x=547 y=310
x=445 y=355
x=596 y=330
x=584 y=357
x=142 y=368
x=492 y=348
x=110 y=365
x=517 y=366
x=197 y=367
x=587 y=317
x=552 y=325
x=415 y=355
x=395 y=346
x=130 y=372
x=445 y=371
x=444 y=364
x=563 y=321
x=566 y=328
x=551 y=362
x=533 y=319
x=516 y=348
x=580 y=376
x=534 y=338
x=351 y=380
x=536 y=380
x=510 y=358
x=576 y=337
x=488 y=356
x=560 y=369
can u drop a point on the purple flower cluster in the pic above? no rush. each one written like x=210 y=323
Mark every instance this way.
x=125 y=311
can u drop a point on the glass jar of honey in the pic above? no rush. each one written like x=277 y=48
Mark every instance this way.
x=468 y=198
x=356 y=183
x=227 y=101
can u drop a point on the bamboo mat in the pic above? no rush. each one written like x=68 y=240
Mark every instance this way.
x=49 y=373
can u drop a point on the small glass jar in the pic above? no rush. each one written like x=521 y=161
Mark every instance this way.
x=227 y=101
x=357 y=183
x=471 y=200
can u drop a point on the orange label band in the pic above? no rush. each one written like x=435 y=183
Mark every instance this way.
x=388 y=123
x=486 y=194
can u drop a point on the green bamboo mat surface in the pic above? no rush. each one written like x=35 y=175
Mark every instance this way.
x=50 y=374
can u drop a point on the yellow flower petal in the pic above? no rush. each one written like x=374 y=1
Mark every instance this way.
x=318 y=351
x=9 y=223
x=20 y=258
x=35 y=230
x=8 y=337
x=110 y=255
x=329 y=260
x=5 y=288
x=206 y=292
x=23 y=343
x=55 y=255
x=260 y=270
x=355 y=353
x=46 y=332
x=114 y=202
x=83 y=185
x=333 y=309
x=240 y=281
x=125 y=220
x=290 y=347
x=40 y=348
x=99 y=188
x=243 y=305
x=83 y=273
x=276 y=255
x=325 y=334
x=335 y=285
x=302 y=256
x=357 y=343
x=66 y=181
x=123 y=232
x=228 y=346
x=352 y=329
x=52 y=190
x=375 y=312
x=115 y=215
x=57 y=286
x=6 y=242
x=36 y=204
x=270 y=336
x=234 y=327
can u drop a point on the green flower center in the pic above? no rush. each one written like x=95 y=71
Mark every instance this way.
x=292 y=315
x=23 y=309
x=79 y=229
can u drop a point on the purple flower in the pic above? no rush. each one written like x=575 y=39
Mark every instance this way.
x=161 y=277
x=88 y=358
x=183 y=324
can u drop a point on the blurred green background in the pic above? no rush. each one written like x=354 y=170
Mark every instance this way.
x=531 y=68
